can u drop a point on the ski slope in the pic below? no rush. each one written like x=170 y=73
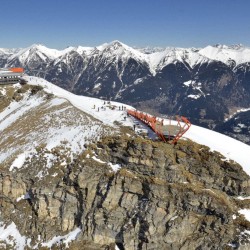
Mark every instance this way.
x=227 y=146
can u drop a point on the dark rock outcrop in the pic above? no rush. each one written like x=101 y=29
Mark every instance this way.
x=162 y=197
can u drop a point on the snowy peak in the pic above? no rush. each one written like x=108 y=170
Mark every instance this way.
x=121 y=50
x=114 y=45
x=49 y=53
x=234 y=46
x=8 y=52
x=83 y=50
x=226 y=54
x=158 y=60
x=149 y=50
x=40 y=51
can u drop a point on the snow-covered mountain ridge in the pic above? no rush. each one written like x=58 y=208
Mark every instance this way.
x=225 y=54
x=155 y=58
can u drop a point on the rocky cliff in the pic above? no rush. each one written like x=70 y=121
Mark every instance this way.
x=132 y=193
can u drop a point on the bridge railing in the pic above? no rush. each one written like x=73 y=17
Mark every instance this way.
x=170 y=132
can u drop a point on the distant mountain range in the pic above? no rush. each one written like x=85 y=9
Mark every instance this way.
x=207 y=85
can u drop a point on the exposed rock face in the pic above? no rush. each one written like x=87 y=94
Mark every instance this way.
x=162 y=197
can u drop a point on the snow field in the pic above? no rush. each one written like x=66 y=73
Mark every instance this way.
x=66 y=239
x=12 y=236
x=36 y=121
x=86 y=104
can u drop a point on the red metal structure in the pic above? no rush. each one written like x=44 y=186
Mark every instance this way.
x=167 y=133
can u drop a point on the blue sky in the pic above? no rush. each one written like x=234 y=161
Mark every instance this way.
x=182 y=23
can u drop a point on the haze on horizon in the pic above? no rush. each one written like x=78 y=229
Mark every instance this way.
x=159 y=23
